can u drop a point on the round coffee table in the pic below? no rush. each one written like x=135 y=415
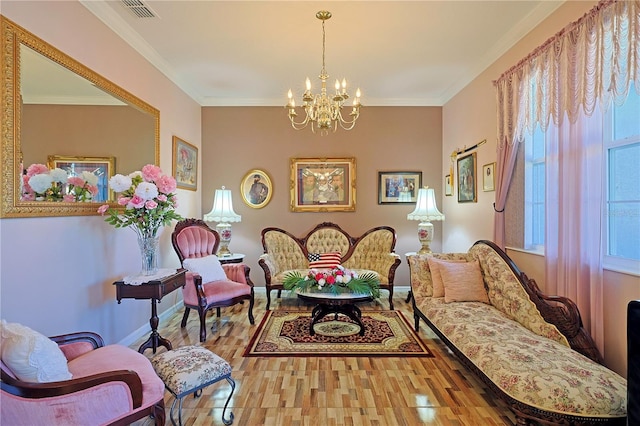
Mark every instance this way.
x=343 y=303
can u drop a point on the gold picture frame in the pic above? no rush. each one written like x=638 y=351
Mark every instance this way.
x=102 y=167
x=185 y=164
x=256 y=189
x=467 y=179
x=398 y=187
x=323 y=184
x=448 y=187
x=489 y=177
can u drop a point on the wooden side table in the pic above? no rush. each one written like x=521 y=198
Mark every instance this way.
x=154 y=290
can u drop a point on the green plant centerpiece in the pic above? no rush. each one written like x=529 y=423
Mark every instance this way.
x=333 y=281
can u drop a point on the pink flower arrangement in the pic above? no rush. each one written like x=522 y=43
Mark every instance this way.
x=336 y=280
x=148 y=199
x=41 y=184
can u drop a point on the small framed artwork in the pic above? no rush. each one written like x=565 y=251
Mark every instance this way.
x=185 y=164
x=488 y=177
x=448 y=188
x=467 y=192
x=256 y=189
x=102 y=167
x=398 y=187
x=323 y=184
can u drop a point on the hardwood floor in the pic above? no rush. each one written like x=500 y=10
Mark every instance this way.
x=334 y=390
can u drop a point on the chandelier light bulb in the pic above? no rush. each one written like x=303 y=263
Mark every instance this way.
x=321 y=110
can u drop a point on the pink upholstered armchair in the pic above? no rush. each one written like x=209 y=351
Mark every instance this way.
x=205 y=288
x=110 y=384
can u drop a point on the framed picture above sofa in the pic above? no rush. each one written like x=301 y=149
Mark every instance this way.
x=323 y=184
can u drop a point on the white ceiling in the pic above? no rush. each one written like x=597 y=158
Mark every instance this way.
x=249 y=53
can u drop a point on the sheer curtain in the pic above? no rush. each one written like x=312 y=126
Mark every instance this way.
x=574 y=191
x=563 y=86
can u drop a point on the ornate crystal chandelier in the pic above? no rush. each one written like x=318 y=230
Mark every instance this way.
x=321 y=110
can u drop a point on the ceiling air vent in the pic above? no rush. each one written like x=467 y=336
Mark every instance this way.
x=139 y=9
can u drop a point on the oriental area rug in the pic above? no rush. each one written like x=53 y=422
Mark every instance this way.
x=387 y=333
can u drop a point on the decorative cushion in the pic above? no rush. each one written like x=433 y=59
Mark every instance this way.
x=436 y=276
x=324 y=260
x=463 y=282
x=186 y=369
x=31 y=356
x=209 y=268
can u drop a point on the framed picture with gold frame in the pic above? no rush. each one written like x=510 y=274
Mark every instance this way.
x=448 y=187
x=256 y=189
x=185 y=164
x=467 y=179
x=398 y=187
x=102 y=167
x=323 y=184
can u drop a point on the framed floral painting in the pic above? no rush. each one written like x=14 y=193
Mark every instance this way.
x=185 y=164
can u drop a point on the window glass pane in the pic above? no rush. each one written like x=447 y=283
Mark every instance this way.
x=624 y=173
x=624 y=230
x=626 y=118
x=537 y=144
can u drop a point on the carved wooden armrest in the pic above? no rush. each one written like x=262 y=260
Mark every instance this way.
x=202 y=298
x=564 y=314
x=53 y=389
x=266 y=266
x=83 y=336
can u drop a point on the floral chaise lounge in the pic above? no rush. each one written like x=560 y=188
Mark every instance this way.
x=371 y=252
x=528 y=348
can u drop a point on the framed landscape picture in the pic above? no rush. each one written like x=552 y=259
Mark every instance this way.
x=185 y=164
x=323 y=184
x=398 y=187
x=467 y=185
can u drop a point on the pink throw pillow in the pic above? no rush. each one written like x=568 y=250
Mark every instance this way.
x=436 y=276
x=463 y=282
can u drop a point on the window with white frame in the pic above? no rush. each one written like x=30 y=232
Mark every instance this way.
x=621 y=212
x=622 y=209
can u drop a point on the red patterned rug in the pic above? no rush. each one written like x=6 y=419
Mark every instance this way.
x=387 y=333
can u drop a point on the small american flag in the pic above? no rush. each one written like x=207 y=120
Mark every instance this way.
x=324 y=260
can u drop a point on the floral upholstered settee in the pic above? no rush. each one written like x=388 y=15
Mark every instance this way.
x=372 y=252
x=528 y=348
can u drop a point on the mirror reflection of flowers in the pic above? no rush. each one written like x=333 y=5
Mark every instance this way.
x=41 y=184
x=337 y=280
x=148 y=199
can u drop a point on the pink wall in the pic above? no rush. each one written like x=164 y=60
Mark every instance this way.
x=475 y=106
x=236 y=140
x=57 y=273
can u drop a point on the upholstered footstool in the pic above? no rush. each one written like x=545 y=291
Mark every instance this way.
x=189 y=369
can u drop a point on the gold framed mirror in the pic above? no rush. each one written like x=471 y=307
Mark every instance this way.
x=69 y=111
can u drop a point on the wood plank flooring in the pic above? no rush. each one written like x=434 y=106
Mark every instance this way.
x=330 y=391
